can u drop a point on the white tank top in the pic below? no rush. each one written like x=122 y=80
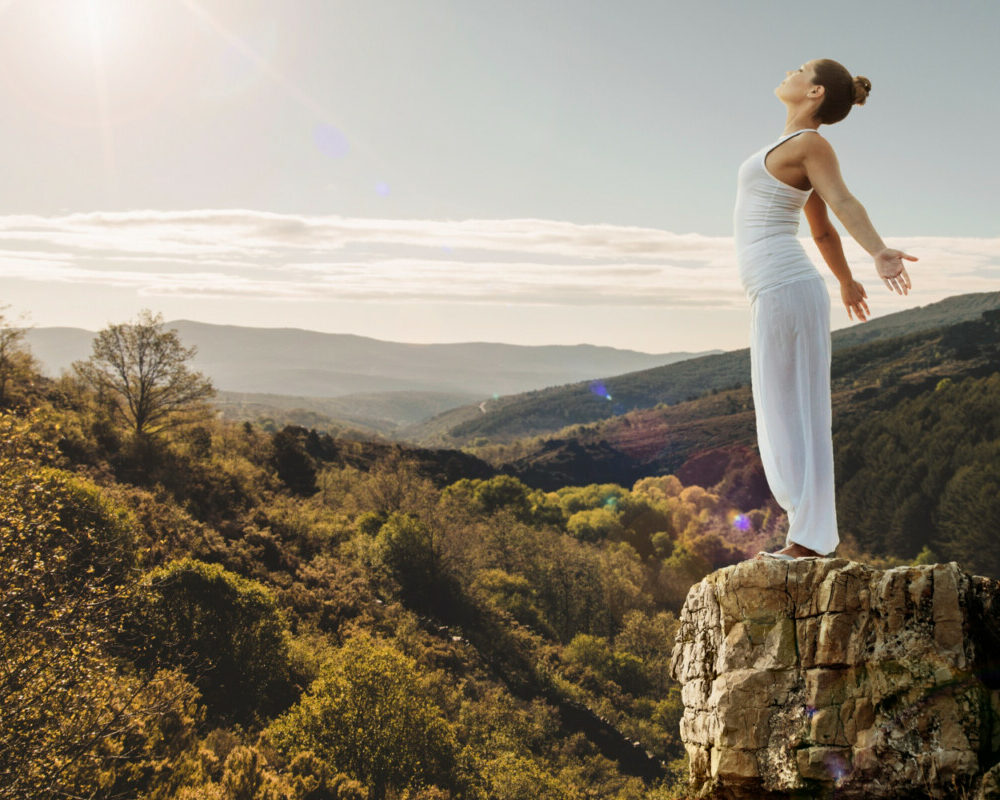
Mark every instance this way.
x=766 y=224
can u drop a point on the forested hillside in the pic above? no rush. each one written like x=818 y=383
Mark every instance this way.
x=916 y=440
x=194 y=608
x=925 y=473
x=508 y=418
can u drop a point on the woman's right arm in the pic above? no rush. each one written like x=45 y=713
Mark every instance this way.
x=823 y=171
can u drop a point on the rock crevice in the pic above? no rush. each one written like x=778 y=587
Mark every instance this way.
x=827 y=677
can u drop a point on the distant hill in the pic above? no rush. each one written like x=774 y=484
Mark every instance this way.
x=705 y=439
x=350 y=415
x=289 y=361
x=546 y=410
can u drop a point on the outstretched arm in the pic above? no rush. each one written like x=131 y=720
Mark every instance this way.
x=828 y=241
x=823 y=171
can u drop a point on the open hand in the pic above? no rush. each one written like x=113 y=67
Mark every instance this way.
x=853 y=294
x=889 y=264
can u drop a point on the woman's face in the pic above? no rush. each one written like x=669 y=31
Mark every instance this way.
x=797 y=83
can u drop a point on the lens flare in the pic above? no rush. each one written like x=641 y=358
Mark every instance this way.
x=599 y=389
x=382 y=188
x=837 y=766
x=331 y=141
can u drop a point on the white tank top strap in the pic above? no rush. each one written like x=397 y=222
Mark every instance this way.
x=788 y=136
x=767 y=150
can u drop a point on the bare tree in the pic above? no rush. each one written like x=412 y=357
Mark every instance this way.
x=142 y=370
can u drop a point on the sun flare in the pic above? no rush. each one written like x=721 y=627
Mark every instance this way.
x=94 y=24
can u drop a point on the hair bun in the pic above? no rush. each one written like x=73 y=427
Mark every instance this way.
x=862 y=86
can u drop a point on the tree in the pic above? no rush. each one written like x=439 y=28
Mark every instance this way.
x=395 y=483
x=594 y=525
x=408 y=549
x=372 y=714
x=569 y=594
x=502 y=491
x=969 y=515
x=16 y=362
x=141 y=370
x=226 y=630
x=295 y=467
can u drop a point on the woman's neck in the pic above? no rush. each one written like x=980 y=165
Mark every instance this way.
x=799 y=119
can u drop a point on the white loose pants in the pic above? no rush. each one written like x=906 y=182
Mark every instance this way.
x=790 y=376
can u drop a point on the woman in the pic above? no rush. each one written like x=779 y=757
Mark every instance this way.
x=789 y=303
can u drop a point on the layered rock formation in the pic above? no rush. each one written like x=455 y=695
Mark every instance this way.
x=828 y=678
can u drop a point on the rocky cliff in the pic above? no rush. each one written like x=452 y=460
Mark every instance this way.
x=828 y=678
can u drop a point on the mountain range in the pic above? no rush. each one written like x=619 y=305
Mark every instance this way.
x=382 y=384
x=506 y=419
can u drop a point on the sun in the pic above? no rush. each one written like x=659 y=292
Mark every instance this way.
x=67 y=33
x=86 y=26
x=55 y=55
x=103 y=26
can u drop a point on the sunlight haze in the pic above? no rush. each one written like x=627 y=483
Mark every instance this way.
x=459 y=170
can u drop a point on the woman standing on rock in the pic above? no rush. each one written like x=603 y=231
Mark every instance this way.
x=789 y=303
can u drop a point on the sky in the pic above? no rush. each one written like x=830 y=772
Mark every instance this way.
x=532 y=171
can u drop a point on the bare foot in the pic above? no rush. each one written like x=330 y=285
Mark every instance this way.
x=796 y=551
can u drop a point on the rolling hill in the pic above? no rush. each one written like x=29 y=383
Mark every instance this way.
x=712 y=438
x=348 y=381
x=375 y=415
x=290 y=361
x=508 y=418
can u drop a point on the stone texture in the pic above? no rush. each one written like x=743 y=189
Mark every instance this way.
x=827 y=677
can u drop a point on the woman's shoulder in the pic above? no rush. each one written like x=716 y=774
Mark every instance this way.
x=814 y=141
x=811 y=145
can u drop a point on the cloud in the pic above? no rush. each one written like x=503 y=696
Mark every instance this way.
x=295 y=258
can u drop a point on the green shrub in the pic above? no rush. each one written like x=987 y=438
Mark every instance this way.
x=594 y=525
x=225 y=630
x=371 y=715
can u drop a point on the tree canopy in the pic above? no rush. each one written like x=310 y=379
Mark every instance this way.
x=371 y=714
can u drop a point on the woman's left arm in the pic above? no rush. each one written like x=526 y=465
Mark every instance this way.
x=828 y=243
x=823 y=171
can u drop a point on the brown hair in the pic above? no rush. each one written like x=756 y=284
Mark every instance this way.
x=841 y=90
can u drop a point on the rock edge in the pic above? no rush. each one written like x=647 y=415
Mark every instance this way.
x=824 y=676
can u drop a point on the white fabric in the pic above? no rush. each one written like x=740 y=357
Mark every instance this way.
x=789 y=352
x=790 y=378
x=765 y=225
